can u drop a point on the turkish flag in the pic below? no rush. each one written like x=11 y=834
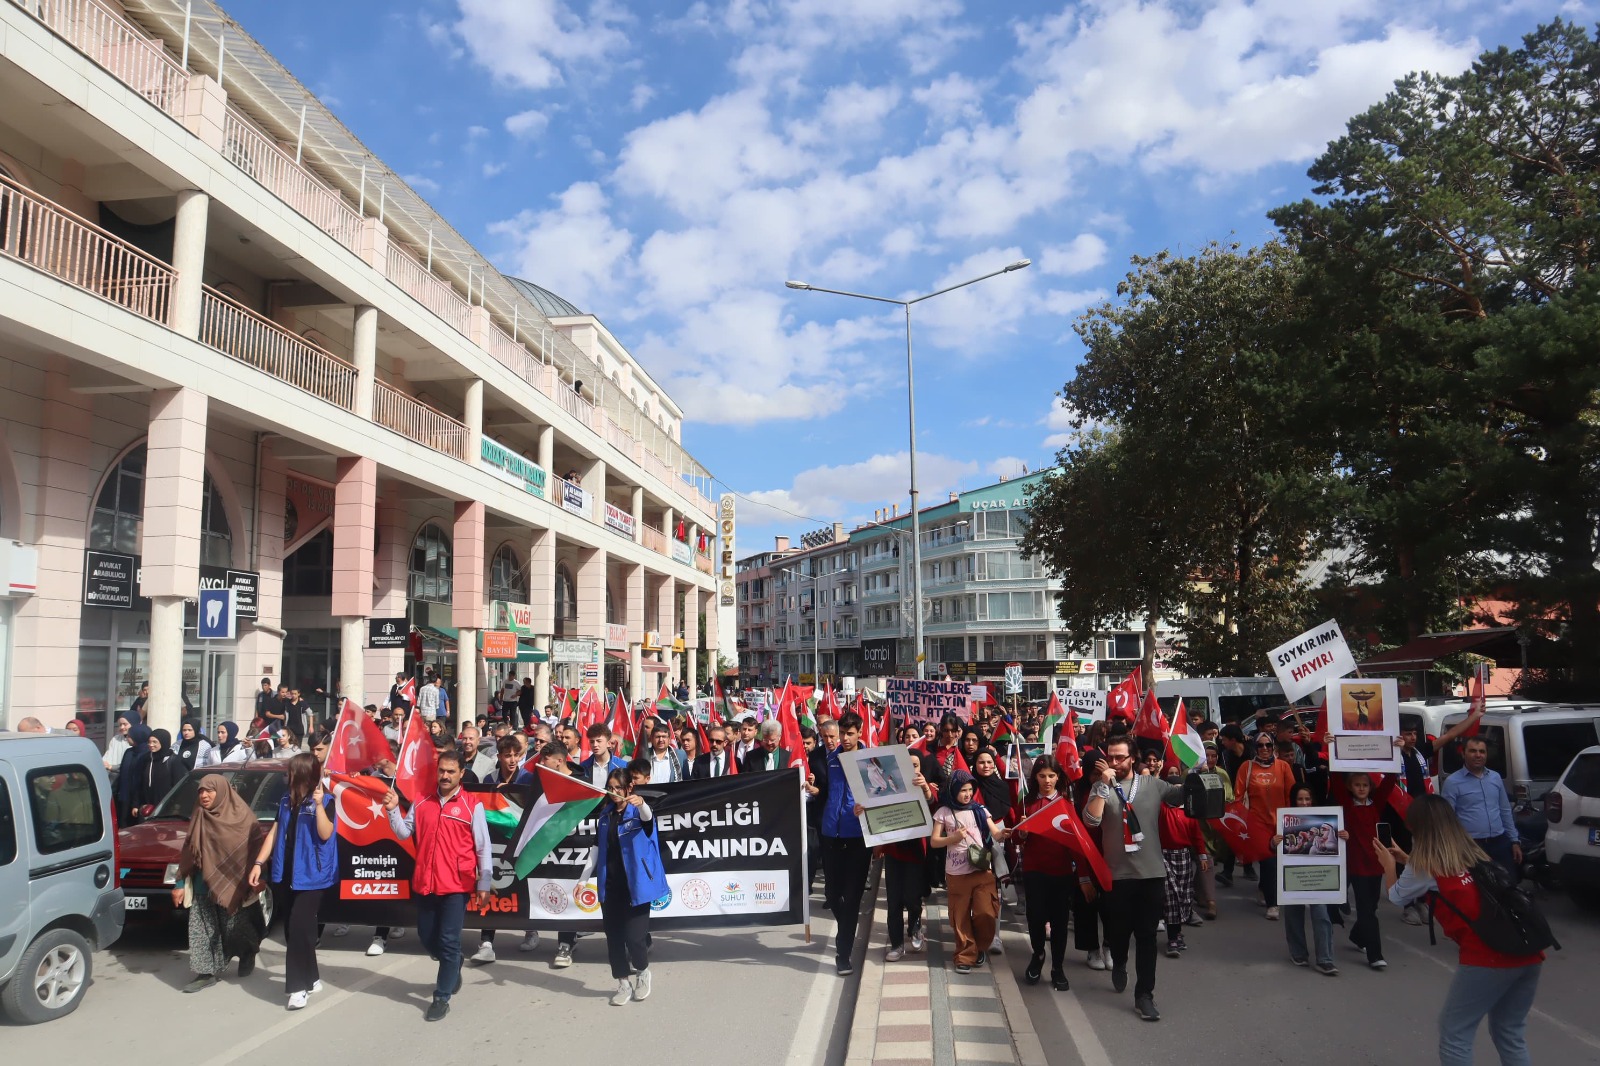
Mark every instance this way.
x=789 y=718
x=1249 y=839
x=1067 y=753
x=1123 y=700
x=829 y=704
x=408 y=692
x=357 y=742
x=1059 y=822
x=417 y=777
x=358 y=804
x=1150 y=723
x=1477 y=702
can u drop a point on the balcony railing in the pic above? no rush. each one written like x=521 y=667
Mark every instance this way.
x=572 y=403
x=417 y=421
x=515 y=357
x=102 y=34
x=702 y=564
x=233 y=328
x=653 y=538
x=559 y=492
x=259 y=156
x=428 y=289
x=47 y=236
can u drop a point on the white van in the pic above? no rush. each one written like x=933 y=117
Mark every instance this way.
x=1529 y=745
x=1432 y=712
x=1221 y=699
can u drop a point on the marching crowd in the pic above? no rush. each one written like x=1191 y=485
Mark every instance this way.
x=1418 y=855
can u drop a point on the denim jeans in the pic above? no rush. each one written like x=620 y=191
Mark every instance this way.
x=1294 y=930
x=1505 y=995
x=439 y=922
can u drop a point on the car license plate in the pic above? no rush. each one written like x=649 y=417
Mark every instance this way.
x=1594 y=837
x=136 y=903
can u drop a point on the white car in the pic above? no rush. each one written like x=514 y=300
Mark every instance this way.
x=1572 y=843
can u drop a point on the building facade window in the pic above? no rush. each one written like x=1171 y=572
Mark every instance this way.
x=118 y=519
x=430 y=567
x=507 y=580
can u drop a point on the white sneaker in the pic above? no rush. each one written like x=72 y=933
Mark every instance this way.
x=641 y=984
x=894 y=954
x=297 y=1000
x=1272 y=914
x=530 y=942
x=485 y=952
x=1412 y=915
x=995 y=947
x=1096 y=961
x=341 y=930
x=376 y=947
x=397 y=932
x=316 y=986
x=917 y=943
x=563 y=957
x=623 y=993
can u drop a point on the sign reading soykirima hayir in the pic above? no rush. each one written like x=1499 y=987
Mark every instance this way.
x=733 y=850
x=1311 y=660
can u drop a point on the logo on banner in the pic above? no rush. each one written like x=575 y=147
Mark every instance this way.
x=552 y=898
x=663 y=903
x=696 y=894
x=587 y=898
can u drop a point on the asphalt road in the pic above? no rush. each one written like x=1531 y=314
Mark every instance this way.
x=720 y=996
x=1235 y=992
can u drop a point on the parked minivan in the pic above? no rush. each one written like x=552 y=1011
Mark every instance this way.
x=59 y=897
x=1221 y=699
x=1529 y=744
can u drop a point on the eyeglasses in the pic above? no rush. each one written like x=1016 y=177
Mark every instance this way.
x=1120 y=758
x=715 y=742
x=1265 y=747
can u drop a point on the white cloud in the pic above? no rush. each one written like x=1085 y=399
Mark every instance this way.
x=527 y=43
x=573 y=248
x=1008 y=466
x=850 y=492
x=494 y=170
x=421 y=182
x=1065 y=421
x=950 y=99
x=1079 y=255
x=642 y=94
x=528 y=125
x=475 y=132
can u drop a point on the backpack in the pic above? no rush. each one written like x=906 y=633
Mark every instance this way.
x=1508 y=920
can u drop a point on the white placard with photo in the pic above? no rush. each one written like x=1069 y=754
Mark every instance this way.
x=883 y=782
x=1364 y=718
x=1312 y=863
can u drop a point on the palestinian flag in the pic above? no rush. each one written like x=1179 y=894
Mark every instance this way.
x=564 y=802
x=665 y=706
x=1185 y=743
x=1055 y=715
x=500 y=811
x=625 y=727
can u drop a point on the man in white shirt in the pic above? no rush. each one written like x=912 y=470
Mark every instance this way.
x=428 y=701
x=716 y=762
x=747 y=738
x=666 y=762
x=769 y=754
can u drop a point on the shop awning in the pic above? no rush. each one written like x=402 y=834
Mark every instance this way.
x=1499 y=644
x=652 y=667
x=616 y=656
x=440 y=634
x=527 y=653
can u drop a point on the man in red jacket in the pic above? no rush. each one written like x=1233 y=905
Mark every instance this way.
x=453 y=862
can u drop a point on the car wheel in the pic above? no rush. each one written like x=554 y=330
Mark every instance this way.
x=50 y=979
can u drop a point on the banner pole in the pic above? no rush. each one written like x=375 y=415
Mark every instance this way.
x=805 y=857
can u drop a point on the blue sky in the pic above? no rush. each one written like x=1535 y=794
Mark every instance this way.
x=668 y=165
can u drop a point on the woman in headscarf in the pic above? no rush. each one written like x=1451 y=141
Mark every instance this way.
x=994 y=793
x=193 y=747
x=213 y=881
x=228 y=749
x=962 y=826
x=131 y=770
x=158 y=773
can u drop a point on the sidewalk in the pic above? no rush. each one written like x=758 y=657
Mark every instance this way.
x=920 y=1012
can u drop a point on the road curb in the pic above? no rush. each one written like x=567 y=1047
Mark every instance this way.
x=863 y=1042
x=1024 y=1039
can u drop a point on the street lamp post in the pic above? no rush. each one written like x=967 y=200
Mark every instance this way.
x=911 y=411
x=816 y=651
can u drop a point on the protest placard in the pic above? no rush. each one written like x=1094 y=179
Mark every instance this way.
x=1312 y=865
x=1364 y=718
x=916 y=702
x=881 y=780
x=1311 y=660
x=1087 y=703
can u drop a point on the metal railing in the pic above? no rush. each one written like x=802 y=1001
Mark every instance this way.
x=232 y=328
x=653 y=538
x=133 y=58
x=427 y=288
x=573 y=404
x=559 y=495
x=50 y=238
x=414 y=419
x=515 y=357
x=702 y=564
x=253 y=152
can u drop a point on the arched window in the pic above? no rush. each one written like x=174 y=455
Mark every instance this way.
x=119 y=514
x=611 y=608
x=430 y=565
x=507 y=580
x=566 y=594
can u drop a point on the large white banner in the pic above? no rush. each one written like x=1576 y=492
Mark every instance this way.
x=1311 y=660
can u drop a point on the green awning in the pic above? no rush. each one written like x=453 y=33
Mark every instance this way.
x=440 y=634
x=526 y=652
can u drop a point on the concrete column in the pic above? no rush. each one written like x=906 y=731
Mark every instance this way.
x=590 y=576
x=636 y=508
x=260 y=652
x=662 y=612
x=188 y=262
x=636 y=688
x=633 y=581
x=389 y=591
x=473 y=417
x=174 y=488
x=547 y=449
x=466 y=605
x=668 y=522
x=692 y=667
x=691 y=633
x=355 y=515
x=594 y=480
x=364 y=353
x=542 y=598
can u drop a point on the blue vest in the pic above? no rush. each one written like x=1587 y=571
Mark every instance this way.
x=641 y=855
x=316 y=861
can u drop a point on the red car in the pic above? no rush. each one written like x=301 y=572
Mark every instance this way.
x=147 y=853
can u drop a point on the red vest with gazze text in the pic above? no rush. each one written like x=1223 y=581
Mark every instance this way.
x=447 y=858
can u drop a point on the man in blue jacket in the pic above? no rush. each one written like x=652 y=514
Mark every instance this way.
x=845 y=856
x=600 y=762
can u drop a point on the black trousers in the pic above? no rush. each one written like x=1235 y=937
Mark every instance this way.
x=905 y=886
x=1088 y=922
x=627 y=933
x=300 y=937
x=1368 y=890
x=1133 y=908
x=845 y=862
x=1050 y=899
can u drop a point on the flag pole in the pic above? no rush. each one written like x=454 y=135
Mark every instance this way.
x=805 y=859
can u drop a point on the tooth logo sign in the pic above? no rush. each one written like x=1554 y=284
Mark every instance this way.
x=214 y=613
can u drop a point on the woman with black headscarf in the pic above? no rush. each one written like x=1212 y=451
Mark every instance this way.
x=229 y=750
x=130 y=770
x=963 y=828
x=214 y=883
x=193 y=747
x=158 y=773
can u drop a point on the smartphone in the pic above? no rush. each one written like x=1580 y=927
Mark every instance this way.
x=1385 y=837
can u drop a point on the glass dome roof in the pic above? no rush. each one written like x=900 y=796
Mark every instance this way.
x=552 y=305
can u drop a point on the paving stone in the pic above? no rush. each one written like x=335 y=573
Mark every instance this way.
x=983 y=1034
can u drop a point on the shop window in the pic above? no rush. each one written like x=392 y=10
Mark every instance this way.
x=308 y=570
x=507 y=579
x=119 y=514
x=430 y=570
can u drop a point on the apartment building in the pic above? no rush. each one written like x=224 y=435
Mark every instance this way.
x=239 y=352
x=756 y=639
